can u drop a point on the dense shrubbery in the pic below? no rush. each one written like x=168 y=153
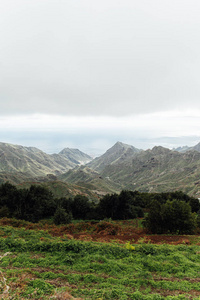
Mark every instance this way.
x=173 y=216
x=167 y=212
x=38 y=203
x=123 y=206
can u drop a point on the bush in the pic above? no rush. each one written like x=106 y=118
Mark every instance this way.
x=173 y=216
x=62 y=217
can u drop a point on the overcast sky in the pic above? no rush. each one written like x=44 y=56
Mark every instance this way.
x=86 y=74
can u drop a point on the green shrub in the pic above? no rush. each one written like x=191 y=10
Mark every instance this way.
x=171 y=217
x=62 y=217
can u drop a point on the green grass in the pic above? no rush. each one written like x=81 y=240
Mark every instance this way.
x=35 y=265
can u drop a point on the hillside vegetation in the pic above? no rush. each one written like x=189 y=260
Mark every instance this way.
x=50 y=264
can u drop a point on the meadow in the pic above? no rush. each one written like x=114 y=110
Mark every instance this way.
x=44 y=261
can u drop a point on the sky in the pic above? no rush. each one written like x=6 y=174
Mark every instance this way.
x=86 y=74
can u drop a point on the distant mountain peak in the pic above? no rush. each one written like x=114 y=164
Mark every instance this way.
x=75 y=155
x=160 y=150
x=117 y=153
x=34 y=163
x=121 y=146
x=181 y=149
x=186 y=148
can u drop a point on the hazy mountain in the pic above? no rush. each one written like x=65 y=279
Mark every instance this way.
x=196 y=147
x=181 y=149
x=32 y=162
x=75 y=156
x=186 y=148
x=116 y=154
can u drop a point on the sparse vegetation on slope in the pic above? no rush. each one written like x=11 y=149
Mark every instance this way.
x=121 y=167
x=34 y=163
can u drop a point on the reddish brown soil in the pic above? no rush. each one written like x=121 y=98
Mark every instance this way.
x=134 y=238
x=104 y=231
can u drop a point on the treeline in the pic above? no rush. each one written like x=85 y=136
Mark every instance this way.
x=164 y=212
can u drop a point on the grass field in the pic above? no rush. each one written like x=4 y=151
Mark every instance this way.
x=39 y=264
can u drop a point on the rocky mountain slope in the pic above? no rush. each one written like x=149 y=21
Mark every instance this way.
x=115 y=155
x=120 y=167
x=158 y=170
x=90 y=175
x=32 y=162
x=75 y=155
x=88 y=178
x=186 y=148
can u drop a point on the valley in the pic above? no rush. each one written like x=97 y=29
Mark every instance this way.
x=120 y=167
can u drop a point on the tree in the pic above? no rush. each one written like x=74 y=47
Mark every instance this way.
x=108 y=206
x=80 y=207
x=61 y=216
x=153 y=221
x=38 y=204
x=174 y=216
x=126 y=207
x=177 y=217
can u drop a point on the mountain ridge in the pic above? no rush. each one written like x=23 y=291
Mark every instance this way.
x=34 y=162
x=119 y=151
x=121 y=167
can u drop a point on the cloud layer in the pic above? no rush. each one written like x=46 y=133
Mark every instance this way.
x=113 y=58
x=95 y=135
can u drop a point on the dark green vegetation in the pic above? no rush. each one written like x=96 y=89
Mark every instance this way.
x=173 y=217
x=35 y=265
x=37 y=202
x=165 y=212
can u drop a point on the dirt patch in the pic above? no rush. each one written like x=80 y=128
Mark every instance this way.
x=134 y=238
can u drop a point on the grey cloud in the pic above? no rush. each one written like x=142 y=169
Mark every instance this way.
x=99 y=57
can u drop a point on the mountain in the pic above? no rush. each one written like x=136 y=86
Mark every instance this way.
x=88 y=178
x=125 y=167
x=31 y=162
x=120 y=167
x=186 y=148
x=75 y=156
x=158 y=170
x=116 y=154
x=196 y=147
x=90 y=175
x=181 y=149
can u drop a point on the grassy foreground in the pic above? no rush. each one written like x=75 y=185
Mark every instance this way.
x=36 y=265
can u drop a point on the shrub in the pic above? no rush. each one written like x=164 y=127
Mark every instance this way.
x=62 y=217
x=173 y=216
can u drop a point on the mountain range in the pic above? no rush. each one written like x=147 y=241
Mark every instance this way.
x=120 y=167
x=31 y=163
